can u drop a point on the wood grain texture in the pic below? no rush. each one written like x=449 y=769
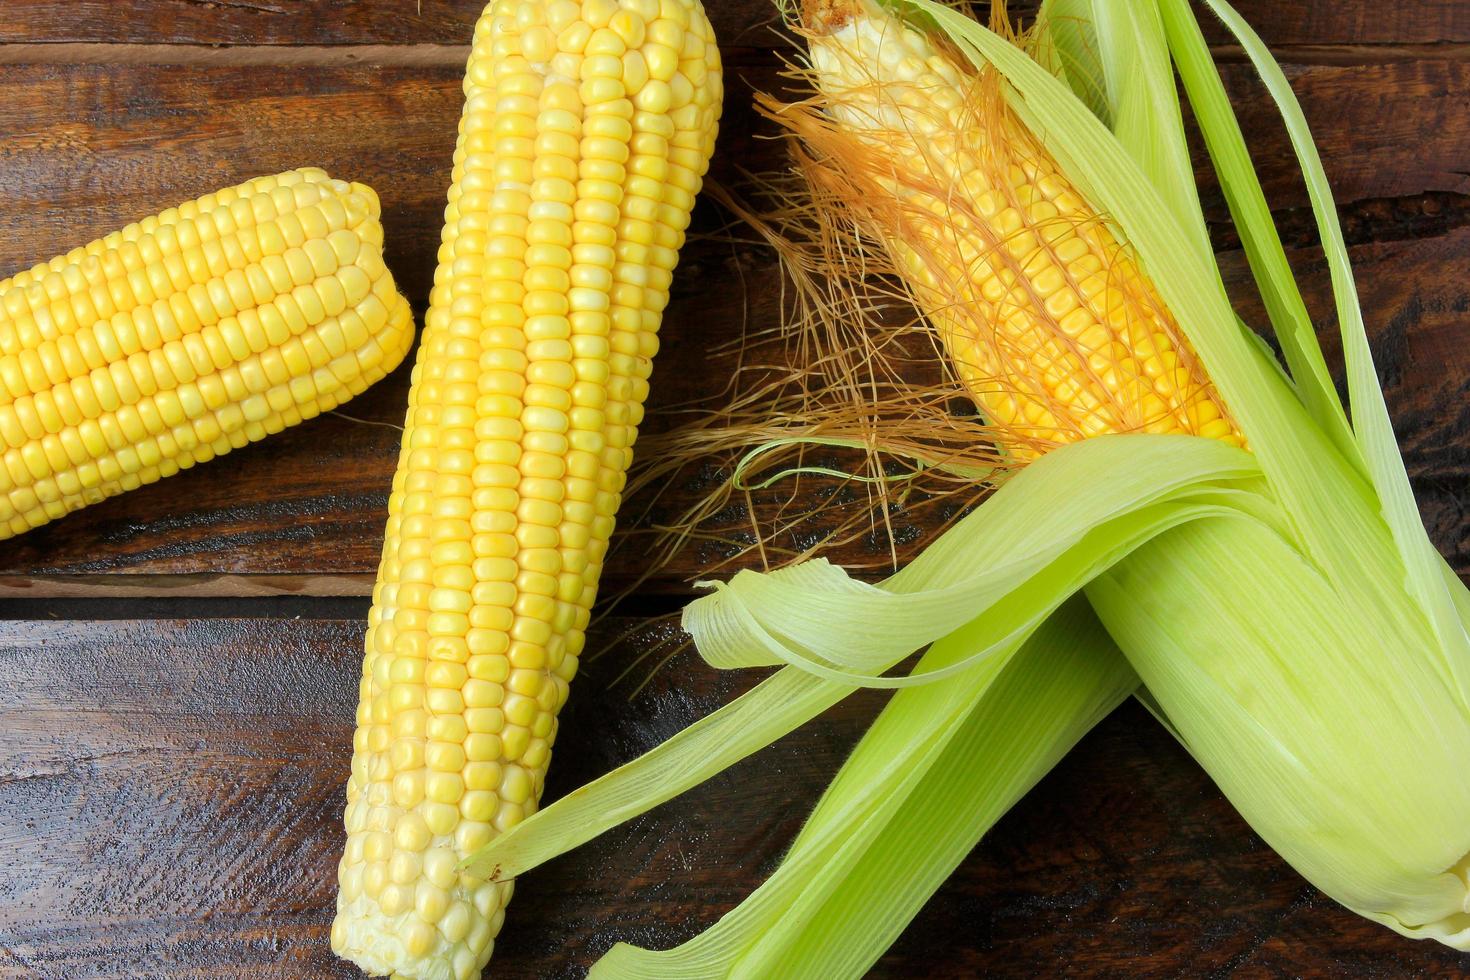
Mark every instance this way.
x=1384 y=131
x=171 y=792
x=736 y=22
x=89 y=147
x=1361 y=22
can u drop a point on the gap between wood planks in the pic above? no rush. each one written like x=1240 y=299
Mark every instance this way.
x=97 y=608
x=455 y=56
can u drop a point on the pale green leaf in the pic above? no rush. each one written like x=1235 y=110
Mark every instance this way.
x=1342 y=745
x=811 y=872
x=1371 y=425
x=1061 y=520
x=1145 y=109
x=1065 y=44
x=1066 y=678
x=897 y=820
x=1248 y=208
x=1014 y=559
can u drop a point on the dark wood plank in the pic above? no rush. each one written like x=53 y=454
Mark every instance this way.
x=89 y=147
x=742 y=23
x=254 y=22
x=170 y=797
x=1390 y=130
x=737 y=23
x=1359 y=22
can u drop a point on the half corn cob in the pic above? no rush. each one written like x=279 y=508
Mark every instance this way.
x=187 y=335
x=586 y=132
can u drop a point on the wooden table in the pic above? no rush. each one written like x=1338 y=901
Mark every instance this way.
x=178 y=667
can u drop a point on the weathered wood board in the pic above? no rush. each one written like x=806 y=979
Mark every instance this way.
x=171 y=794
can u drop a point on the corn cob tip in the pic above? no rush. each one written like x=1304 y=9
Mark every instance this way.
x=828 y=16
x=369 y=197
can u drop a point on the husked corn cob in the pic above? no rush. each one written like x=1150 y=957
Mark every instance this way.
x=187 y=335
x=586 y=132
x=1047 y=318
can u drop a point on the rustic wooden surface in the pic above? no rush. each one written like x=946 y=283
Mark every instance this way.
x=172 y=752
x=170 y=796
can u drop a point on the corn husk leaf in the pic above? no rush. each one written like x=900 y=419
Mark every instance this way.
x=1144 y=109
x=1252 y=216
x=1267 y=676
x=1353 y=590
x=835 y=633
x=1371 y=425
x=1065 y=43
x=964 y=753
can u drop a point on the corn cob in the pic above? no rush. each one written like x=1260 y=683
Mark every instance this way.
x=187 y=335
x=1046 y=317
x=586 y=132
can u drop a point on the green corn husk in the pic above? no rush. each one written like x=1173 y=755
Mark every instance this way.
x=1319 y=676
x=1284 y=608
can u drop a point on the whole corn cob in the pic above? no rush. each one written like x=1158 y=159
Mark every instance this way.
x=1048 y=320
x=187 y=335
x=586 y=132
